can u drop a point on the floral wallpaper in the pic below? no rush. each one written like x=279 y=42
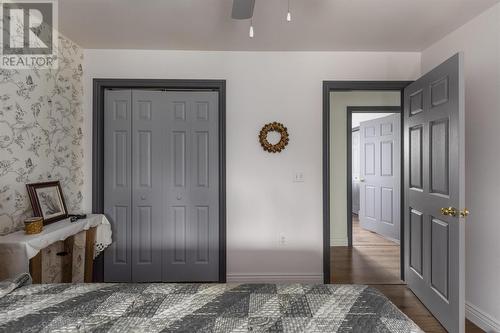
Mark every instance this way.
x=41 y=117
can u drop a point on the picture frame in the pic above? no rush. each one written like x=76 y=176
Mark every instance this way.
x=47 y=201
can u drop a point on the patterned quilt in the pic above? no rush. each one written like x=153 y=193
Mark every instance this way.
x=161 y=307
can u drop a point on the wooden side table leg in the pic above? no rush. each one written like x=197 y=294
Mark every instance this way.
x=36 y=268
x=89 y=254
x=67 y=262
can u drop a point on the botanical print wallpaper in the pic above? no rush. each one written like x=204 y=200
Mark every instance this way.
x=41 y=119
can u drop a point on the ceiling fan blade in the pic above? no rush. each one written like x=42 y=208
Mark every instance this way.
x=243 y=9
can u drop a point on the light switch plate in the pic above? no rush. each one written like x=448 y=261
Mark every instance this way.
x=298 y=177
x=282 y=241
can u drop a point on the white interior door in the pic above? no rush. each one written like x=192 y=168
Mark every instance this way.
x=380 y=161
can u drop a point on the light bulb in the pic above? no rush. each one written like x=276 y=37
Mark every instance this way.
x=289 y=15
x=250 y=33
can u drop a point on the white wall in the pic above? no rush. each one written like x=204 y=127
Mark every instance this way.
x=480 y=41
x=339 y=101
x=262 y=200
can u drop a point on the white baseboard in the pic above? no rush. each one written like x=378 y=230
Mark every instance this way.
x=339 y=242
x=275 y=278
x=481 y=319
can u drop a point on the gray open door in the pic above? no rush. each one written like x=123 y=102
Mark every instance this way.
x=434 y=192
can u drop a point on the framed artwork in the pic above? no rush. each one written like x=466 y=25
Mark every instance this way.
x=47 y=201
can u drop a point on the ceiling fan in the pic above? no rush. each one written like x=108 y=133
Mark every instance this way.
x=242 y=9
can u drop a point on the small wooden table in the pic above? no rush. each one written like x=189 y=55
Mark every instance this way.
x=21 y=253
x=67 y=262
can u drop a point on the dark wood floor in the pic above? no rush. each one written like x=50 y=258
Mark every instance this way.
x=374 y=261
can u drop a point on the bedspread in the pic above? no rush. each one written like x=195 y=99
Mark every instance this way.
x=166 y=307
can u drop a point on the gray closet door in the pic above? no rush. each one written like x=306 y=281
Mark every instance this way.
x=118 y=183
x=434 y=179
x=148 y=139
x=380 y=168
x=161 y=171
x=192 y=187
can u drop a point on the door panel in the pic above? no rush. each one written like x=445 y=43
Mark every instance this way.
x=370 y=202
x=434 y=174
x=439 y=256
x=179 y=158
x=380 y=173
x=416 y=157
x=192 y=188
x=145 y=246
x=416 y=246
x=118 y=183
x=386 y=158
x=202 y=158
x=147 y=224
x=369 y=158
x=439 y=154
x=387 y=205
x=179 y=245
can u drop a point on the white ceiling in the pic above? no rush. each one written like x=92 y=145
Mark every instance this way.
x=317 y=25
x=358 y=118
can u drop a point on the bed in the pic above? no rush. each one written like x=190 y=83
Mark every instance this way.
x=163 y=307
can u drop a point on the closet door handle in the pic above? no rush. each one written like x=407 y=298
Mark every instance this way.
x=179 y=197
x=143 y=197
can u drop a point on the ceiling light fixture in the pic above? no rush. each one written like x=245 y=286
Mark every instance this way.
x=250 y=32
x=289 y=15
x=243 y=10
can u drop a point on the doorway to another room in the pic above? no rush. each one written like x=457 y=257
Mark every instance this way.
x=365 y=193
x=373 y=203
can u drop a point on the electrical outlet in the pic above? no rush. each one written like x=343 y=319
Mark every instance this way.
x=298 y=177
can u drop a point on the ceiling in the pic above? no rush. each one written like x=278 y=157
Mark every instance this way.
x=317 y=25
x=358 y=118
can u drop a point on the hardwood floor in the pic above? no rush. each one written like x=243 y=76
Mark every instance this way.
x=363 y=237
x=374 y=261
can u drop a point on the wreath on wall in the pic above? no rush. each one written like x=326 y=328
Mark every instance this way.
x=274 y=127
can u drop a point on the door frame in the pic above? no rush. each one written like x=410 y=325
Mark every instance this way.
x=366 y=109
x=332 y=86
x=99 y=86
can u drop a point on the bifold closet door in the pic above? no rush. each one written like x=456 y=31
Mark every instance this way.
x=118 y=183
x=161 y=191
x=133 y=198
x=192 y=188
x=148 y=152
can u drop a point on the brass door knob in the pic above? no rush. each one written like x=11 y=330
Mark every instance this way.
x=450 y=211
x=464 y=212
